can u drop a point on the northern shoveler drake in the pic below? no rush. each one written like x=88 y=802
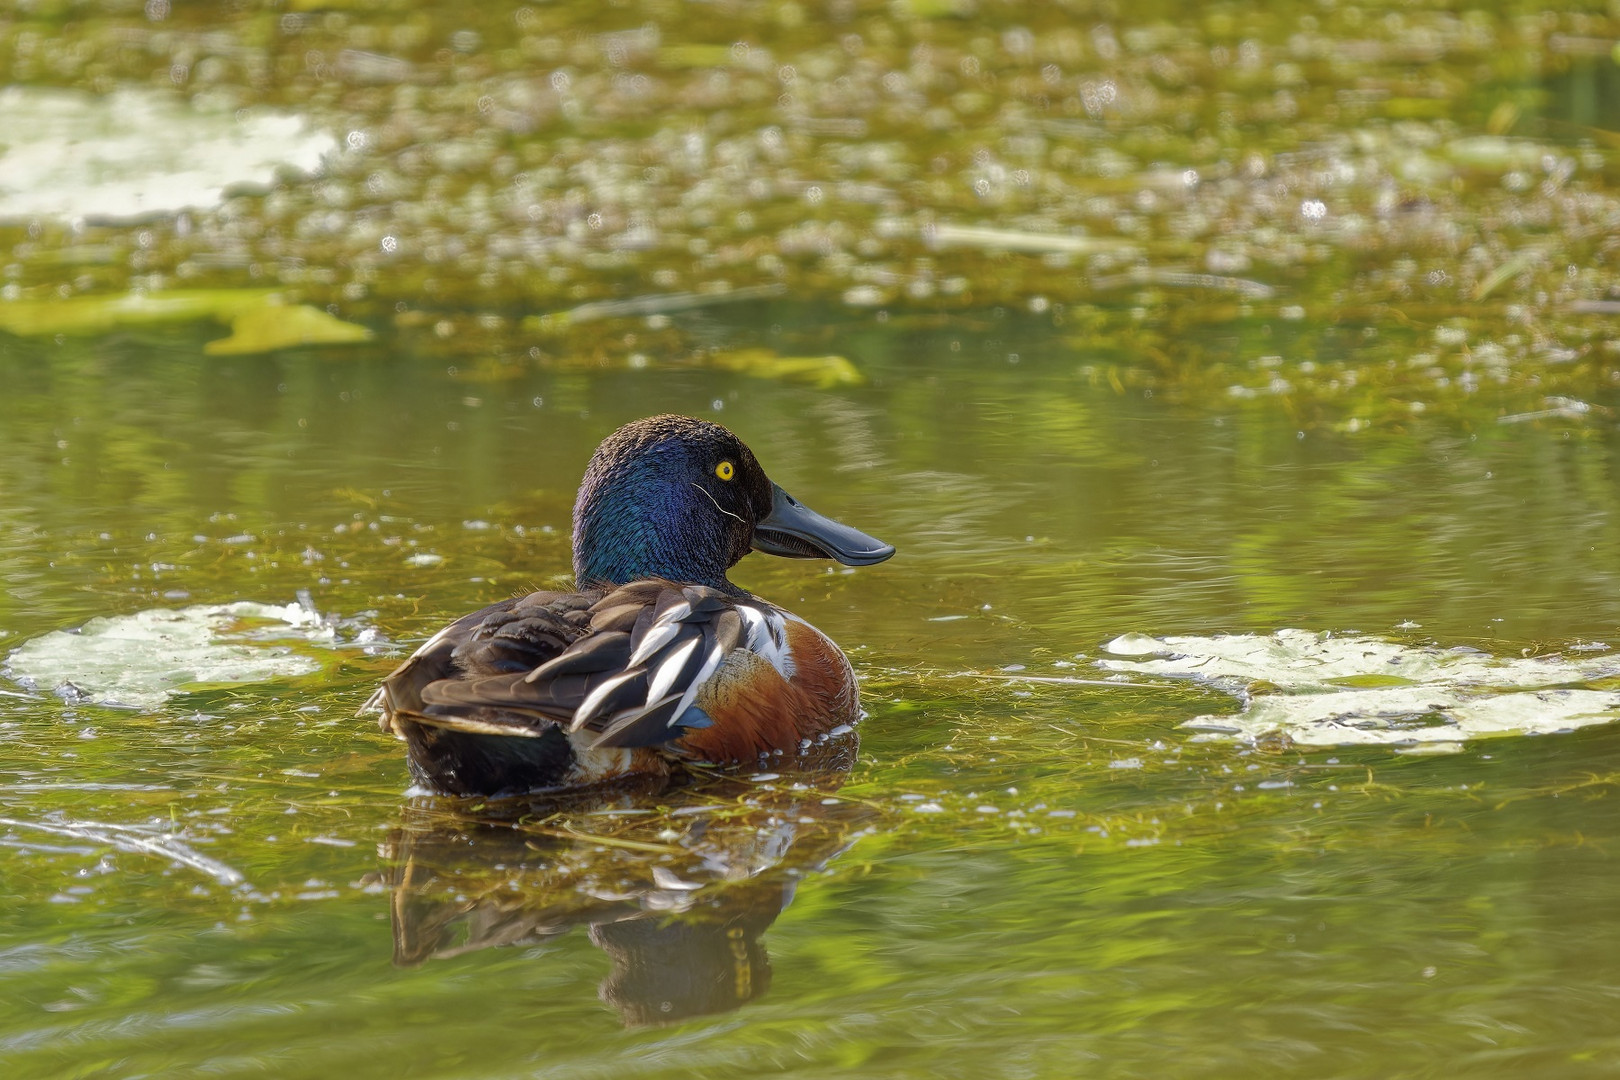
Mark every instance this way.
x=656 y=657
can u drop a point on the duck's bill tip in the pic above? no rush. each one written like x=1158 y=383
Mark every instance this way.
x=794 y=531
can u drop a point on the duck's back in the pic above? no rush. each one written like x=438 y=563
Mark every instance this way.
x=564 y=689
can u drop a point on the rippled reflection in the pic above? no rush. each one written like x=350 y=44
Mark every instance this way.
x=676 y=882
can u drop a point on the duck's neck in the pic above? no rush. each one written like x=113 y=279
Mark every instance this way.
x=642 y=530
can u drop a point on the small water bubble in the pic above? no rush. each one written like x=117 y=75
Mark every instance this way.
x=1096 y=96
x=1313 y=209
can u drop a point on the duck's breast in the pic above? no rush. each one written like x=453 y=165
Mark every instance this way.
x=760 y=701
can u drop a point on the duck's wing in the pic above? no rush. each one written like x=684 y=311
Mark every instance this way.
x=510 y=637
x=630 y=676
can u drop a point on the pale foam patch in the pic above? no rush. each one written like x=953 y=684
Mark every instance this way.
x=141 y=660
x=136 y=153
x=1319 y=689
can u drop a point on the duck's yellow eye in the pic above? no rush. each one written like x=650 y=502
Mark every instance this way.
x=725 y=470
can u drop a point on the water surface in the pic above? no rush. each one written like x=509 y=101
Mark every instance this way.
x=1392 y=416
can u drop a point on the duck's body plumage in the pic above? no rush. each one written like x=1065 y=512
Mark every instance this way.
x=609 y=683
x=626 y=677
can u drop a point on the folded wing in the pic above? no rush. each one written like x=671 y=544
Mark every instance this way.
x=620 y=669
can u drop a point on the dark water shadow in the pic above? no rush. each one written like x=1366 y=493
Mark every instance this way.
x=676 y=880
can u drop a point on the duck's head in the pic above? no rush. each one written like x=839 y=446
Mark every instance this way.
x=684 y=499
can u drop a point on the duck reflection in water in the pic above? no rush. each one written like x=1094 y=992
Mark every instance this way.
x=675 y=879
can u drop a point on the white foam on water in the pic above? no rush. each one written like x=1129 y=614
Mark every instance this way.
x=1321 y=689
x=136 y=153
x=141 y=660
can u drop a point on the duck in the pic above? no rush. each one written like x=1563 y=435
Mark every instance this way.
x=655 y=660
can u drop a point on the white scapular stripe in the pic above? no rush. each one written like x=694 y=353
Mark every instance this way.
x=703 y=674
x=663 y=677
x=767 y=637
x=759 y=634
x=656 y=637
x=593 y=701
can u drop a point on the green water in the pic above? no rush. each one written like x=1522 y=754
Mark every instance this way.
x=1399 y=420
x=1383 y=912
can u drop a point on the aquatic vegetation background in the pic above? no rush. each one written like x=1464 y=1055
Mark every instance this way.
x=1153 y=318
